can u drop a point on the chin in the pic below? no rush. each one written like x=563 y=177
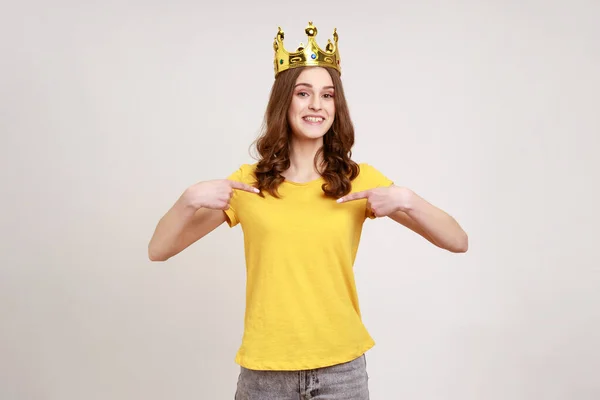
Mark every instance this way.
x=310 y=133
x=303 y=135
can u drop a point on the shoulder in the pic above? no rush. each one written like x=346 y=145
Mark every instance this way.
x=370 y=177
x=244 y=174
x=366 y=169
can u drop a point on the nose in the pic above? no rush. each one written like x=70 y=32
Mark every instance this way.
x=315 y=103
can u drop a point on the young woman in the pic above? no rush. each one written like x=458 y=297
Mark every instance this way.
x=302 y=207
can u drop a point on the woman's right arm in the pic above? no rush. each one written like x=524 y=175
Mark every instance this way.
x=197 y=212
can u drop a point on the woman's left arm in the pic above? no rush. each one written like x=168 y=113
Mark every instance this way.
x=409 y=209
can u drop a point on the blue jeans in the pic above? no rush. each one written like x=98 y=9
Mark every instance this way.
x=347 y=381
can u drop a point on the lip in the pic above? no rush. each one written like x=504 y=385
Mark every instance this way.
x=314 y=115
x=313 y=123
x=323 y=119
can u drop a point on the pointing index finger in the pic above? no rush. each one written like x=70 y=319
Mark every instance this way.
x=354 y=196
x=243 y=186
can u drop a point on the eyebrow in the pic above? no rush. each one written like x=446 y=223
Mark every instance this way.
x=310 y=86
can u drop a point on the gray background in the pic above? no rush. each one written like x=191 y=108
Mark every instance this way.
x=109 y=110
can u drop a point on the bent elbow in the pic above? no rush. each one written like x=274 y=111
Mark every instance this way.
x=155 y=256
x=462 y=245
x=457 y=245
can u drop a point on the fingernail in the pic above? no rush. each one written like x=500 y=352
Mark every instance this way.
x=340 y=200
x=256 y=190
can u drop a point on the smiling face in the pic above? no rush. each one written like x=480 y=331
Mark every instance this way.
x=312 y=110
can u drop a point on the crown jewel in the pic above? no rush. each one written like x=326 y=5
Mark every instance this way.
x=309 y=55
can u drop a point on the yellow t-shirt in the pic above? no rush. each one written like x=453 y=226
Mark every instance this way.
x=302 y=309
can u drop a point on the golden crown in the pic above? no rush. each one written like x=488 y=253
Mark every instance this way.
x=309 y=55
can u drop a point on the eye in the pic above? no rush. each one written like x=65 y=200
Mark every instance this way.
x=302 y=94
x=328 y=96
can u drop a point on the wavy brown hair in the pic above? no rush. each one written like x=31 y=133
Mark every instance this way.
x=273 y=145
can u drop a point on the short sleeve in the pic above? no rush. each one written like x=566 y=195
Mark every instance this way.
x=371 y=178
x=231 y=212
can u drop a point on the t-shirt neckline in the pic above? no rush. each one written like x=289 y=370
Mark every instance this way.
x=308 y=183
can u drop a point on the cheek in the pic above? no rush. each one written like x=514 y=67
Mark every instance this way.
x=291 y=111
x=292 y=116
x=294 y=108
x=331 y=111
x=331 y=108
x=298 y=103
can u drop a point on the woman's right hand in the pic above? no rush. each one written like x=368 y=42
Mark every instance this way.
x=214 y=194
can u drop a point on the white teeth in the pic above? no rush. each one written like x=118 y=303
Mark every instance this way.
x=313 y=119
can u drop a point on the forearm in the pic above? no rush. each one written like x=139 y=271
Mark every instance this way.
x=441 y=228
x=169 y=229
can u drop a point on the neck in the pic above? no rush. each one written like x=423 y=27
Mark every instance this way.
x=302 y=160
